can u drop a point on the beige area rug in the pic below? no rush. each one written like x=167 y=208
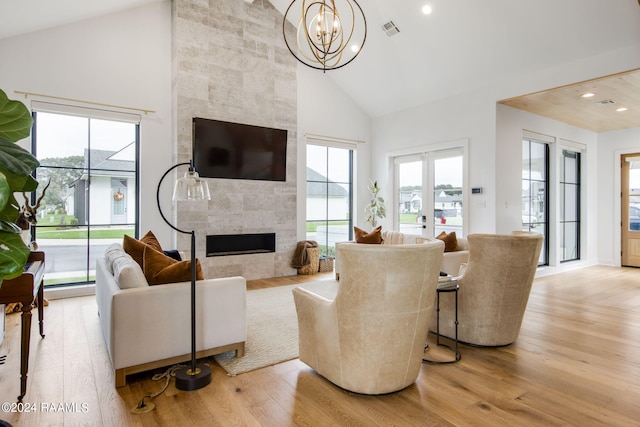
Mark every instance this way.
x=272 y=327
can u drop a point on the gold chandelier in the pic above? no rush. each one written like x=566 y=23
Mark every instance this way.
x=326 y=38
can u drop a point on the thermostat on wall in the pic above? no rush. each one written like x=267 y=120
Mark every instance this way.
x=476 y=190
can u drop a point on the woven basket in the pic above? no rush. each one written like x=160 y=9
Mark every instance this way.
x=313 y=255
x=326 y=265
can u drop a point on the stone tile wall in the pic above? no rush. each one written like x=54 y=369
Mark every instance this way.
x=230 y=63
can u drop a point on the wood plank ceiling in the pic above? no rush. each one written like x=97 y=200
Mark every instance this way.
x=597 y=113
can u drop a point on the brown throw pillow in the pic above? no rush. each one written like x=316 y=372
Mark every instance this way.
x=450 y=241
x=159 y=268
x=135 y=248
x=372 y=237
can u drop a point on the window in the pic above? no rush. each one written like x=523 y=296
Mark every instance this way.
x=535 y=194
x=90 y=164
x=329 y=196
x=440 y=208
x=570 y=205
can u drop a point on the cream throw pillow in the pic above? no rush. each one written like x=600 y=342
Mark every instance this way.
x=128 y=273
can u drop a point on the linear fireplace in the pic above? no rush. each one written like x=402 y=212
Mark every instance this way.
x=240 y=244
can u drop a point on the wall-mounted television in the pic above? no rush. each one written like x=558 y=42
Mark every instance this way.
x=239 y=151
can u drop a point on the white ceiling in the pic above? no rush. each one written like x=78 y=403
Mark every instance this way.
x=463 y=45
x=25 y=16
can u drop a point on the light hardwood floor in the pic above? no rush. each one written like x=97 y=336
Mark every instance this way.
x=576 y=362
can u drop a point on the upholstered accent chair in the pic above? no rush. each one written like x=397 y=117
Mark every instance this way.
x=494 y=289
x=369 y=338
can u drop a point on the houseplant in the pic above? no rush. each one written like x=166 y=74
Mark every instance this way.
x=375 y=208
x=16 y=165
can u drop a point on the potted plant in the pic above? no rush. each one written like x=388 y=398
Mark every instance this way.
x=375 y=208
x=16 y=166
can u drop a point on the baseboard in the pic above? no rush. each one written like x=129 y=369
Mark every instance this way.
x=70 y=291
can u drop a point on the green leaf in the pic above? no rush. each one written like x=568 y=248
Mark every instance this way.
x=11 y=211
x=19 y=182
x=13 y=255
x=15 y=158
x=15 y=119
x=5 y=191
x=9 y=184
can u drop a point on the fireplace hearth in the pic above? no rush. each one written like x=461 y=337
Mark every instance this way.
x=240 y=244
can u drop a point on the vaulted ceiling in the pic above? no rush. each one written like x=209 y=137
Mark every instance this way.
x=462 y=46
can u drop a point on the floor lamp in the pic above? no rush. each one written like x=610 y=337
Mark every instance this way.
x=189 y=188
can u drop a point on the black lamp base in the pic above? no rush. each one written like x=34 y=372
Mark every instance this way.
x=186 y=380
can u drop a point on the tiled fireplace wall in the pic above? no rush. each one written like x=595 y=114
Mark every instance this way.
x=230 y=63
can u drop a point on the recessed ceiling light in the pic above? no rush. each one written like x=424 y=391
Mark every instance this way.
x=355 y=48
x=588 y=95
x=621 y=109
x=426 y=9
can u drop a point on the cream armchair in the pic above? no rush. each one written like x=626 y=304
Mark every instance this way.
x=370 y=337
x=494 y=289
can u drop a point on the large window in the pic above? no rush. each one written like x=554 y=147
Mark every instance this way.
x=329 y=196
x=437 y=209
x=90 y=165
x=570 y=205
x=535 y=192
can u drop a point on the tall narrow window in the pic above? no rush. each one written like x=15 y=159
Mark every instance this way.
x=329 y=196
x=91 y=167
x=570 y=205
x=535 y=192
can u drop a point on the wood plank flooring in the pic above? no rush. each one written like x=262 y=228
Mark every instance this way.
x=576 y=362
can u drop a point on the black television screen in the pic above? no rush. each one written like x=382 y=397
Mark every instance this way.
x=239 y=151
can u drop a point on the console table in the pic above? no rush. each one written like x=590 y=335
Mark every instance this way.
x=26 y=289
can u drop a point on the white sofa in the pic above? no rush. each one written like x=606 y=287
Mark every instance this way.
x=147 y=327
x=451 y=261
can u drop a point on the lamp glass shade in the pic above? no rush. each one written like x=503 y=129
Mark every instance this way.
x=191 y=187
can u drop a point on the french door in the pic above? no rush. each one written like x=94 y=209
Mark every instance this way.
x=630 y=209
x=429 y=189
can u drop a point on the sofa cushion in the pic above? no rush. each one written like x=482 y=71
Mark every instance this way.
x=372 y=237
x=135 y=248
x=112 y=252
x=128 y=273
x=450 y=241
x=159 y=268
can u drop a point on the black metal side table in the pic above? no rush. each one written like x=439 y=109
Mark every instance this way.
x=447 y=287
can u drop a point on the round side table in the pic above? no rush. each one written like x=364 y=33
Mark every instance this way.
x=446 y=287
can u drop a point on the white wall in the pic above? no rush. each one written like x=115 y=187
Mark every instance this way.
x=510 y=125
x=324 y=109
x=611 y=145
x=466 y=119
x=122 y=59
x=494 y=142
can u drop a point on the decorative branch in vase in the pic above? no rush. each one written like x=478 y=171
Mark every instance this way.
x=375 y=208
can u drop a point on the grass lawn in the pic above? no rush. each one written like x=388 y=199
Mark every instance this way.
x=74 y=233
x=69 y=280
x=312 y=225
